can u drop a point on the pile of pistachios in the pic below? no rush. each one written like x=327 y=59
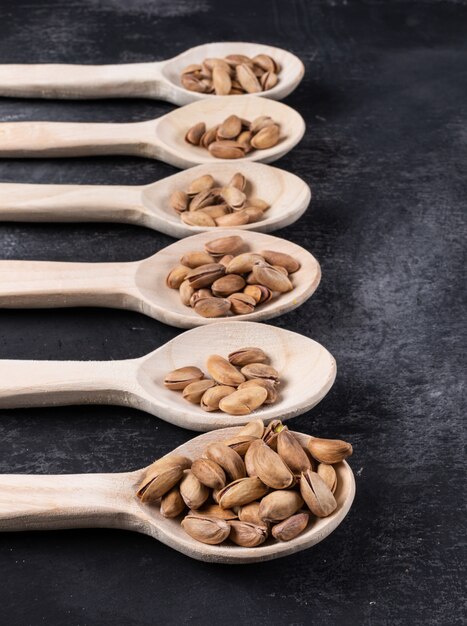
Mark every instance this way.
x=224 y=279
x=238 y=385
x=207 y=204
x=260 y=483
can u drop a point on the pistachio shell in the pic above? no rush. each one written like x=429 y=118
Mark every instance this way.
x=268 y=80
x=181 y=377
x=160 y=483
x=209 y=473
x=260 y=370
x=282 y=259
x=230 y=461
x=241 y=303
x=234 y=198
x=195 y=133
x=260 y=204
x=291 y=452
x=317 y=495
x=329 y=450
x=226 y=150
x=241 y=492
x=186 y=291
x=250 y=513
x=178 y=201
x=214 y=510
x=205 y=275
x=270 y=468
x=259 y=293
x=243 y=263
x=238 y=218
x=196 y=258
x=247 y=78
x=244 y=139
x=265 y=384
x=223 y=372
x=176 y=276
x=238 y=180
x=247 y=534
x=212 y=397
x=227 y=285
x=290 y=528
x=249 y=458
x=212 y=307
x=198 y=218
x=200 y=294
x=225 y=245
x=215 y=210
x=254 y=214
x=230 y=127
x=221 y=81
x=271 y=277
x=261 y=122
x=265 y=62
x=266 y=137
x=202 y=183
x=279 y=505
x=254 y=428
x=243 y=401
x=200 y=200
x=208 y=530
x=195 y=391
x=244 y=356
x=328 y=474
x=240 y=443
x=225 y=260
x=209 y=137
x=193 y=492
x=172 y=503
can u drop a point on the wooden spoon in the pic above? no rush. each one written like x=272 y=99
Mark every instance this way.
x=162 y=138
x=158 y=80
x=47 y=502
x=140 y=285
x=148 y=205
x=307 y=372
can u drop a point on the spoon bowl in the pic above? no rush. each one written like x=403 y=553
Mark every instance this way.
x=307 y=372
x=35 y=502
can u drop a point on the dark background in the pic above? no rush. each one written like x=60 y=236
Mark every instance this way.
x=385 y=101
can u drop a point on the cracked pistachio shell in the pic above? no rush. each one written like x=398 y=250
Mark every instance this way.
x=329 y=451
x=223 y=372
x=290 y=528
x=248 y=459
x=205 y=275
x=250 y=513
x=282 y=259
x=240 y=443
x=243 y=263
x=231 y=283
x=176 y=276
x=271 y=278
x=202 y=199
x=178 y=201
x=214 y=510
x=209 y=473
x=265 y=384
x=317 y=495
x=241 y=492
x=196 y=258
x=224 y=245
x=255 y=428
x=241 y=304
x=268 y=80
x=244 y=356
x=279 y=505
x=328 y=474
x=259 y=292
x=212 y=307
x=247 y=534
x=238 y=180
x=183 y=376
x=291 y=452
x=247 y=78
x=212 y=397
x=260 y=370
x=230 y=461
x=159 y=483
x=172 y=503
x=243 y=401
x=202 y=183
x=200 y=294
x=186 y=291
x=195 y=391
x=226 y=150
x=210 y=530
x=193 y=492
x=270 y=468
x=233 y=197
x=271 y=432
x=266 y=138
x=261 y=122
x=195 y=133
x=215 y=211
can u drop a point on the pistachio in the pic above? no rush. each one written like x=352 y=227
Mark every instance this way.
x=178 y=201
x=196 y=259
x=209 y=137
x=260 y=370
x=243 y=401
x=176 y=276
x=230 y=127
x=259 y=292
x=205 y=275
x=214 y=510
x=328 y=474
x=221 y=81
x=241 y=492
x=247 y=78
x=202 y=183
x=224 y=245
x=254 y=214
x=317 y=495
x=195 y=133
x=212 y=397
x=198 y=218
x=329 y=451
x=241 y=304
x=215 y=210
x=201 y=200
x=209 y=473
x=210 y=530
x=290 y=528
x=250 y=513
x=265 y=384
x=258 y=203
x=186 y=292
x=200 y=294
x=172 y=503
x=266 y=138
x=230 y=461
x=211 y=63
x=271 y=277
x=194 y=67
x=265 y=62
x=244 y=139
x=160 y=483
x=282 y=259
x=193 y=492
x=238 y=180
x=239 y=218
x=249 y=458
x=227 y=285
x=223 y=372
x=279 y=505
x=291 y=452
x=261 y=122
x=233 y=197
x=182 y=377
x=244 y=356
x=170 y=460
x=268 y=80
x=225 y=260
x=270 y=468
x=212 y=307
x=254 y=428
x=243 y=263
x=246 y=534
x=195 y=391
x=224 y=150
x=240 y=443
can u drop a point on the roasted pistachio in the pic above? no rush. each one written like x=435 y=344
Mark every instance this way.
x=243 y=401
x=212 y=307
x=160 y=483
x=282 y=259
x=279 y=505
x=210 y=530
x=240 y=443
x=224 y=245
x=254 y=428
x=195 y=391
x=247 y=534
x=203 y=183
x=250 y=513
x=292 y=453
x=193 y=492
x=241 y=304
x=241 y=492
x=230 y=461
x=244 y=356
x=180 y=378
x=196 y=258
x=223 y=372
x=205 y=275
x=243 y=263
x=260 y=370
x=227 y=285
x=270 y=277
x=172 y=503
x=212 y=397
x=290 y=528
x=214 y=510
x=270 y=468
x=329 y=451
x=317 y=495
x=176 y=276
x=265 y=383
x=328 y=474
x=209 y=473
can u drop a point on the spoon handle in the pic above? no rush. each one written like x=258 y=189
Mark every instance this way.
x=44 y=284
x=47 y=502
x=140 y=80
x=70 y=203
x=56 y=383
x=62 y=139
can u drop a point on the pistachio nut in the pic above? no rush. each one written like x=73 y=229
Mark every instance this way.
x=249 y=456
x=183 y=376
x=193 y=492
x=254 y=214
x=247 y=78
x=271 y=277
x=265 y=383
x=279 y=505
x=186 y=291
x=230 y=461
x=250 y=513
x=214 y=510
x=212 y=307
x=268 y=80
x=226 y=150
x=329 y=451
x=205 y=275
x=259 y=203
x=224 y=245
x=241 y=304
x=230 y=127
x=200 y=294
x=271 y=432
x=176 y=276
x=328 y=474
x=244 y=356
x=244 y=139
x=198 y=218
x=243 y=263
x=223 y=372
x=267 y=137
x=290 y=528
x=247 y=534
x=195 y=391
x=259 y=292
x=260 y=370
x=231 y=283
x=212 y=397
x=254 y=428
x=270 y=468
x=240 y=443
x=241 y=492
x=195 y=259
x=233 y=197
x=178 y=201
x=221 y=80
x=225 y=260
x=215 y=211
x=209 y=473
x=210 y=530
x=317 y=495
x=261 y=122
x=238 y=180
x=172 y=503
x=159 y=483
x=292 y=453
x=195 y=133
x=282 y=259
x=208 y=137
x=239 y=218
x=202 y=183
x=243 y=401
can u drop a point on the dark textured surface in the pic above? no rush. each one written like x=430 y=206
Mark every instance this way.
x=385 y=101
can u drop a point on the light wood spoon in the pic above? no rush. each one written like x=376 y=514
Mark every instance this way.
x=51 y=502
x=157 y=80
x=140 y=285
x=307 y=372
x=162 y=138
x=148 y=205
